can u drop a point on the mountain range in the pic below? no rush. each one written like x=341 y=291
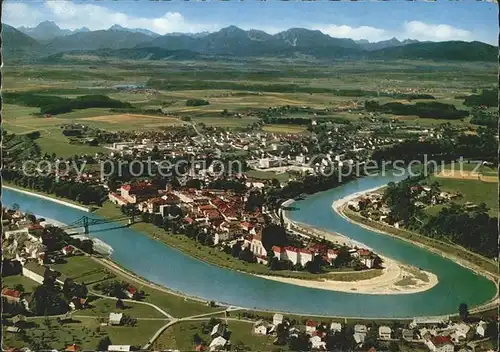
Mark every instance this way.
x=48 y=39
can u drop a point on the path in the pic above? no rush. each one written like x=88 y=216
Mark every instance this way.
x=200 y=317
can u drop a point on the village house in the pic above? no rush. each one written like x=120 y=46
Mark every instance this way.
x=277 y=319
x=73 y=348
x=218 y=343
x=138 y=192
x=119 y=348
x=360 y=332
x=384 y=332
x=256 y=245
x=462 y=332
x=335 y=327
x=19 y=320
x=68 y=250
x=440 y=344
x=481 y=328
x=305 y=256
x=310 y=327
x=11 y=295
x=115 y=318
x=260 y=327
x=130 y=292
x=407 y=334
x=218 y=330
x=78 y=303
x=317 y=343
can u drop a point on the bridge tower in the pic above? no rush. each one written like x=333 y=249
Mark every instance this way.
x=86 y=225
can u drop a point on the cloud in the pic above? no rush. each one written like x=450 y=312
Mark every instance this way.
x=356 y=33
x=70 y=15
x=435 y=32
x=409 y=30
x=20 y=14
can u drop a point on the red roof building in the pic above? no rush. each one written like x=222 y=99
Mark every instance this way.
x=11 y=295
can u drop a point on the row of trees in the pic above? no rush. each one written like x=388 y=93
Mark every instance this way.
x=487 y=98
x=483 y=146
x=433 y=110
x=50 y=104
x=84 y=193
x=474 y=230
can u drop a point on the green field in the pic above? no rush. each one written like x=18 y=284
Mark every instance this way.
x=82 y=268
x=474 y=191
x=82 y=331
x=180 y=336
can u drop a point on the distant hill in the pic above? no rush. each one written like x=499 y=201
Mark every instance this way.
x=452 y=50
x=236 y=42
x=365 y=44
x=147 y=32
x=45 y=31
x=16 y=43
x=103 y=39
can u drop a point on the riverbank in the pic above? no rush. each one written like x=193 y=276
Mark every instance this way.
x=396 y=278
x=210 y=255
x=52 y=198
x=463 y=257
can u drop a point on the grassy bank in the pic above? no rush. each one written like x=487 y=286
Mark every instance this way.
x=50 y=195
x=92 y=271
x=478 y=262
x=219 y=258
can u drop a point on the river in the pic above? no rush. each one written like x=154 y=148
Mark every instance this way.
x=168 y=267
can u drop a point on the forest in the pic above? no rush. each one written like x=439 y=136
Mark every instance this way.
x=432 y=110
x=474 y=230
x=54 y=105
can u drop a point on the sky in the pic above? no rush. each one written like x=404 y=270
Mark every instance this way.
x=440 y=20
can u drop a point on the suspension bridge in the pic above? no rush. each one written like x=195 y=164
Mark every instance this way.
x=85 y=222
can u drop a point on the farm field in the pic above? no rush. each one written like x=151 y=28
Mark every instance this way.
x=84 y=331
x=230 y=88
x=474 y=191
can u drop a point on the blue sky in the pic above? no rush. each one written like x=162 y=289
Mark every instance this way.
x=436 y=21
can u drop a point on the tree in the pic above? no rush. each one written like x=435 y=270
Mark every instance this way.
x=19 y=288
x=104 y=343
x=463 y=311
x=119 y=304
x=394 y=347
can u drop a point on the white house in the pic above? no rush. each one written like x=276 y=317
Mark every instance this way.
x=218 y=330
x=256 y=246
x=292 y=254
x=277 y=319
x=335 y=327
x=279 y=253
x=115 y=318
x=359 y=338
x=360 y=333
x=317 y=343
x=461 y=332
x=305 y=256
x=260 y=327
x=218 y=343
x=119 y=348
x=481 y=328
x=384 y=332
